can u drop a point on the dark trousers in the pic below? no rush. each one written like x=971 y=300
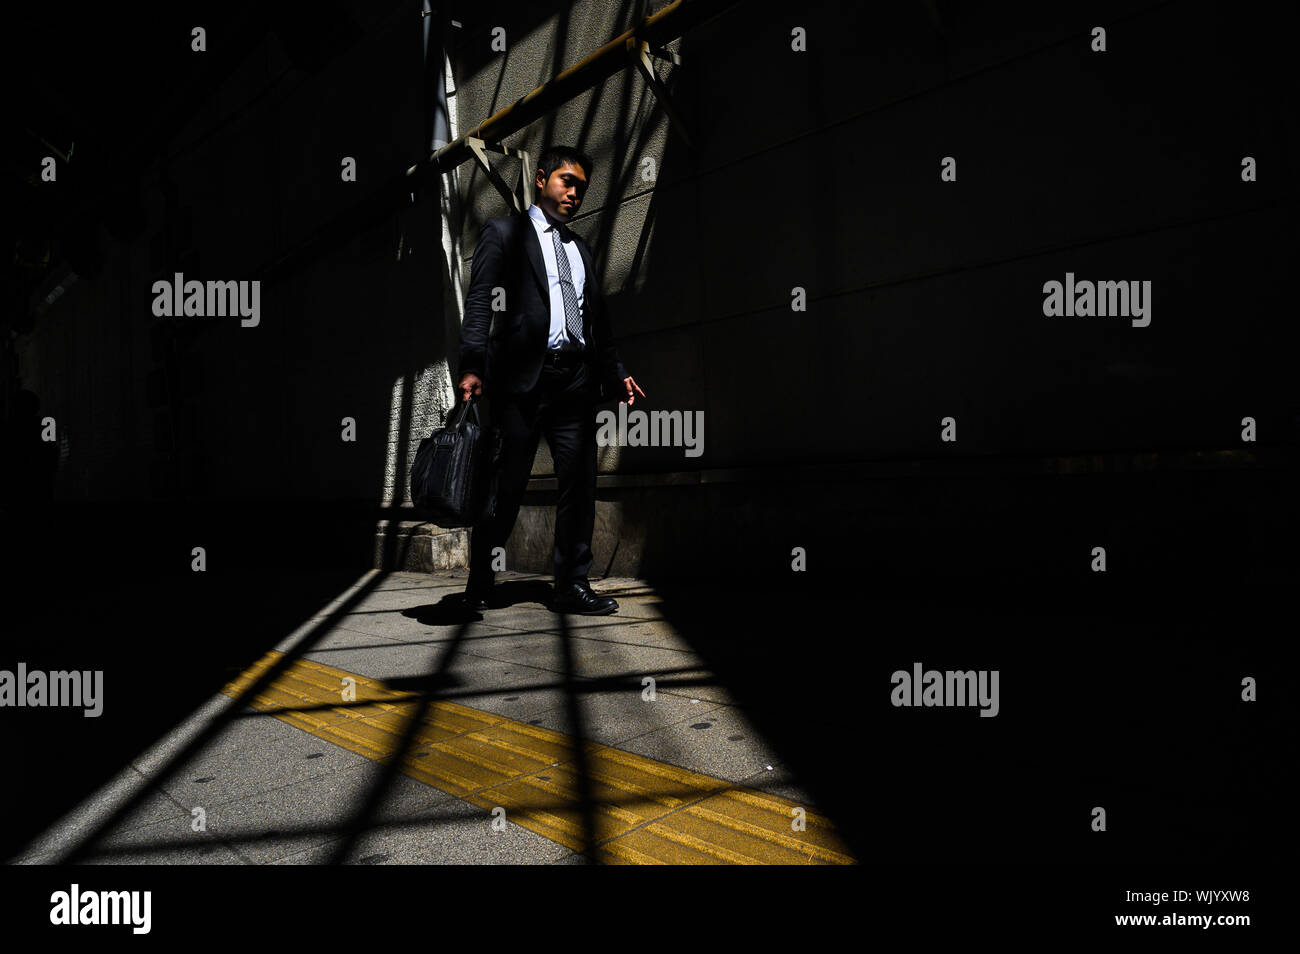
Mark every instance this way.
x=561 y=406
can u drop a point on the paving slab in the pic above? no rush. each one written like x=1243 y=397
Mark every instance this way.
x=720 y=742
x=614 y=718
x=254 y=755
x=457 y=833
x=57 y=841
x=275 y=824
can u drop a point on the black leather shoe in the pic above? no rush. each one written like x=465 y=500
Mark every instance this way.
x=478 y=590
x=578 y=598
x=478 y=598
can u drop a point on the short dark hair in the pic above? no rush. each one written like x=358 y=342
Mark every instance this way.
x=554 y=157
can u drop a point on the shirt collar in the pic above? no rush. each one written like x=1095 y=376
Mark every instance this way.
x=537 y=215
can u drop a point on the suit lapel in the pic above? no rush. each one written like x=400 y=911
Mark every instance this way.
x=533 y=250
x=587 y=297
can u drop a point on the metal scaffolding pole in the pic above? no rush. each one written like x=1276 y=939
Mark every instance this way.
x=628 y=49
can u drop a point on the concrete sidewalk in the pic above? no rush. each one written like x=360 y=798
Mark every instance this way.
x=394 y=726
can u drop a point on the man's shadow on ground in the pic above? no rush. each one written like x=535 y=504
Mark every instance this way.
x=452 y=609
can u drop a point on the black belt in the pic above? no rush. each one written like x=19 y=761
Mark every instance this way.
x=562 y=359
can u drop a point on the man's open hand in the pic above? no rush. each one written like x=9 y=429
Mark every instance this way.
x=630 y=384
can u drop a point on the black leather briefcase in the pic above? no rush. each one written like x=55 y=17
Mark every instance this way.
x=454 y=477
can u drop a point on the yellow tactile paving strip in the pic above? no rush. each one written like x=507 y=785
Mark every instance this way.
x=644 y=812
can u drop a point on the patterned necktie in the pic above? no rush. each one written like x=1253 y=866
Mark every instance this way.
x=572 y=315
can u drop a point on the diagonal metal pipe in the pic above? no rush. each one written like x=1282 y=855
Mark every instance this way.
x=657 y=29
x=398 y=192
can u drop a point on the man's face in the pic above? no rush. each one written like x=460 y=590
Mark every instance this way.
x=562 y=193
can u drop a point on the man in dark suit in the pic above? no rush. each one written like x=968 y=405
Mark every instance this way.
x=536 y=342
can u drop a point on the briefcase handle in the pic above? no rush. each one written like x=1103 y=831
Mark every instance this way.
x=464 y=409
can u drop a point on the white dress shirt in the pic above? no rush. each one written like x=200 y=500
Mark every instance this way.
x=559 y=336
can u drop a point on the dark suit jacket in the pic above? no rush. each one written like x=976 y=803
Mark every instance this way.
x=506 y=348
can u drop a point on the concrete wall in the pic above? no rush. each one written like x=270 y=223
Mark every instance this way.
x=821 y=170
x=925 y=298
